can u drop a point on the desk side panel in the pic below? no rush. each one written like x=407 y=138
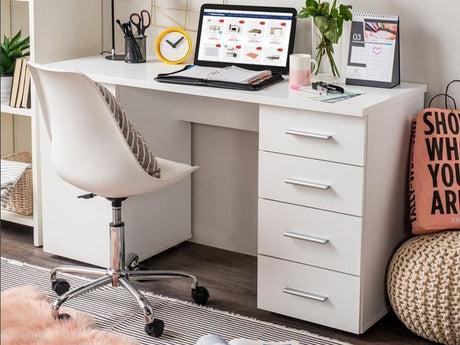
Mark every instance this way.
x=385 y=200
x=160 y=220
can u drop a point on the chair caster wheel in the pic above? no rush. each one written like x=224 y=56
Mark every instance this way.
x=140 y=267
x=200 y=295
x=60 y=286
x=132 y=260
x=63 y=317
x=155 y=328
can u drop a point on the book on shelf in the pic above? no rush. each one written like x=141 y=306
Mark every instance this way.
x=26 y=95
x=20 y=89
x=22 y=81
x=15 y=83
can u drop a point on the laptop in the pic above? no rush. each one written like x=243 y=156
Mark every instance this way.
x=251 y=37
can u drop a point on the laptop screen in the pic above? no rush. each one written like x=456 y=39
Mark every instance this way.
x=247 y=36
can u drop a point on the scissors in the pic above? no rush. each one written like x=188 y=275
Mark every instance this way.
x=140 y=21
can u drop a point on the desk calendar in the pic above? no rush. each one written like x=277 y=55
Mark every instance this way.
x=373 y=58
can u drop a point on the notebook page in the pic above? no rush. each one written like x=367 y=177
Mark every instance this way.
x=230 y=74
x=198 y=72
x=236 y=74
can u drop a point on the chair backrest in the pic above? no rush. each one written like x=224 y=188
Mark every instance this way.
x=88 y=149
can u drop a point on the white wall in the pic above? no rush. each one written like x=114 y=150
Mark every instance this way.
x=430 y=39
x=430 y=50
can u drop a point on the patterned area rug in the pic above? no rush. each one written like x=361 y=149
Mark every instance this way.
x=114 y=310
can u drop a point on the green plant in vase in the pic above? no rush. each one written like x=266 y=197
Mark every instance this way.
x=10 y=50
x=329 y=21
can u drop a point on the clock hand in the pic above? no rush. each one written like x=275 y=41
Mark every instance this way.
x=178 y=41
x=171 y=44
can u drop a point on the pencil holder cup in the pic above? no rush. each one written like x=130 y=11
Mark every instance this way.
x=135 y=49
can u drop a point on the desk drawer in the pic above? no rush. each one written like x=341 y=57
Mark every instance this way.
x=310 y=236
x=308 y=293
x=309 y=182
x=331 y=137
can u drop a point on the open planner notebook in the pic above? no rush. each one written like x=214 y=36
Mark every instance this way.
x=231 y=77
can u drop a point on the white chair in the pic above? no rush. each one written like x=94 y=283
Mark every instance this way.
x=89 y=151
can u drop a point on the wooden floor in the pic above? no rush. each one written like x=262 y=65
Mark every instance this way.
x=230 y=278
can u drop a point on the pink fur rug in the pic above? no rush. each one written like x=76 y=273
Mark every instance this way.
x=26 y=320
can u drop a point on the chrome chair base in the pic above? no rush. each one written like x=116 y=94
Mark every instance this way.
x=119 y=274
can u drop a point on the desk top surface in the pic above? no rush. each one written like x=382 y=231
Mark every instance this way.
x=142 y=76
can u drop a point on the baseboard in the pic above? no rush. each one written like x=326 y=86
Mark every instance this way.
x=163 y=248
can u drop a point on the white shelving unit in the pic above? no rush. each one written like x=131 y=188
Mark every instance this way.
x=39 y=19
x=16 y=111
x=7 y=215
x=18 y=14
x=17 y=218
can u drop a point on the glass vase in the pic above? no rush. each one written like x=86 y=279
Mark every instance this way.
x=339 y=56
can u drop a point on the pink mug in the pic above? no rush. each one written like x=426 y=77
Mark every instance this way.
x=300 y=71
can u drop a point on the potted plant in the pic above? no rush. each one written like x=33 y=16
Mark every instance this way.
x=328 y=19
x=10 y=50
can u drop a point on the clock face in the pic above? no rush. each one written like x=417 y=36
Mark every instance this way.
x=174 y=46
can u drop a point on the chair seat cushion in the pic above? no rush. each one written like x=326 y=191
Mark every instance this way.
x=139 y=147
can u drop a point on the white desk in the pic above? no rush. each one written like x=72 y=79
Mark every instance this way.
x=141 y=76
x=331 y=207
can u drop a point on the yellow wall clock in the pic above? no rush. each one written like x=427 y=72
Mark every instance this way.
x=173 y=46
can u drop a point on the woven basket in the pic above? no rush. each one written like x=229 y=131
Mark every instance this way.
x=21 y=198
x=424 y=286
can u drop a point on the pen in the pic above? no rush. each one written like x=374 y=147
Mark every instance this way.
x=307 y=89
x=341 y=98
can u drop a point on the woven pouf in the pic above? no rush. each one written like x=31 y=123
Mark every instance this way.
x=423 y=284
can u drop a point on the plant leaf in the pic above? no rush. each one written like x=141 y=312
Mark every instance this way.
x=5 y=61
x=25 y=47
x=25 y=41
x=15 y=53
x=16 y=38
x=11 y=49
x=21 y=44
x=10 y=70
x=311 y=3
x=332 y=33
x=325 y=9
x=334 y=13
x=345 y=12
x=307 y=12
x=340 y=26
x=321 y=23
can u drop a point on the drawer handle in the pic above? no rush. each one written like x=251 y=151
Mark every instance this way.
x=308 y=134
x=305 y=294
x=309 y=238
x=307 y=183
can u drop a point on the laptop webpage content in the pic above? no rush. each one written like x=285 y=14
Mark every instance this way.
x=245 y=37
